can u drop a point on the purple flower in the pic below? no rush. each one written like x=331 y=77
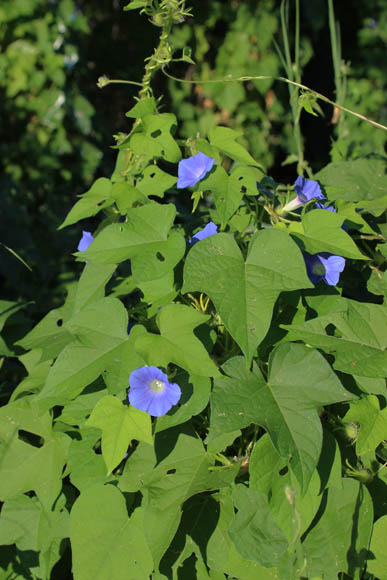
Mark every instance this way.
x=210 y=230
x=325 y=267
x=193 y=169
x=151 y=391
x=85 y=241
x=306 y=190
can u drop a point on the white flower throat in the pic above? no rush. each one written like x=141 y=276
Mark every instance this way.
x=157 y=386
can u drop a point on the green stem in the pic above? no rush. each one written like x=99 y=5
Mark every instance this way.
x=104 y=81
x=293 y=72
x=296 y=108
x=297 y=42
x=161 y=57
x=336 y=59
x=286 y=42
x=230 y=79
x=332 y=30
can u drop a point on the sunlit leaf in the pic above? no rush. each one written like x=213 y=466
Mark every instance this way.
x=300 y=381
x=120 y=425
x=244 y=293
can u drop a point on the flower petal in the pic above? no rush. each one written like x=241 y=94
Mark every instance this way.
x=144 y=398
x=85 y=241
x=209 y=230
x=311 y=261
x=334 y=265
x=193 y=169
x=307 y=189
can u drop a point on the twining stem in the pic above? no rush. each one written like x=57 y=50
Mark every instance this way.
x=230 y=79
x=163 y=14
x=161 y=56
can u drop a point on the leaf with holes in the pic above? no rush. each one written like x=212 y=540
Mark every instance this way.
x=33 y=456
x=244 y=293
x=100 y=329
x=155 y=181
x=50 y=334
x=25 y=522
x=300 y=381
x=144 y=239
x=154 y=139
x=126 y=196
x=246 y=179
x=358 y=340
x=228 y=191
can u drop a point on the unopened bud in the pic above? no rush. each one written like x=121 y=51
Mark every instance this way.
x=158 y=19
x=351 y=431
x=102 y=82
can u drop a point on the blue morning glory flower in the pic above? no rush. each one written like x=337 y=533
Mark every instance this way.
x=306 y=190
x=151 y=391
x=193 y=169
x=210 y=230
x=85 y=241
x=325 y=267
